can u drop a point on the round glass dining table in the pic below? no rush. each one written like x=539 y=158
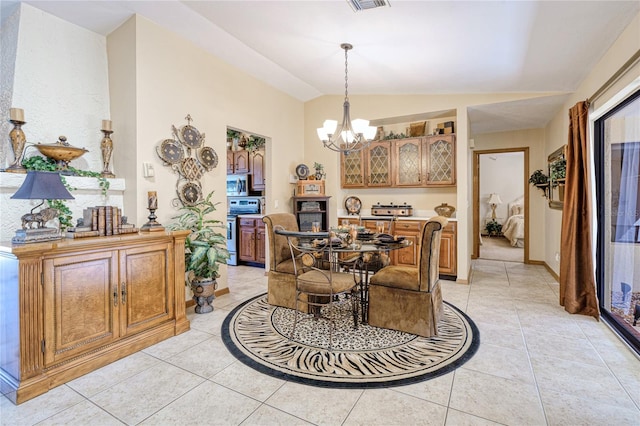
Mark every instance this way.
x=365 y=255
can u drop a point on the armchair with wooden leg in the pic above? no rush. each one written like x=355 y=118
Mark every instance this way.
x=409 y=299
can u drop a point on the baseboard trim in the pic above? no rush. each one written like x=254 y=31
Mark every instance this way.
x=551 y=271
x=189 y=303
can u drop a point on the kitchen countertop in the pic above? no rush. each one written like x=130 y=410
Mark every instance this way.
x=251 y=216
x=366 y=214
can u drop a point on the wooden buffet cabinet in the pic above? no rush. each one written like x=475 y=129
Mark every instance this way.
x=72 y=306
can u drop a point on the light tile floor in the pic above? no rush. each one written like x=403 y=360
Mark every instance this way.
x=536 y=365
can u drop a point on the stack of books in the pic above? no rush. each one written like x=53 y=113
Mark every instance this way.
x=101 y=221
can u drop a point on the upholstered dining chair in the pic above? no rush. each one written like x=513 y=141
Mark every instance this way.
x=281 y=279
x=320 y=282
x=409 y=299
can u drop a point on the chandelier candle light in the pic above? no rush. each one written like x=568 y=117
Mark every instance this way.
x=351 y=136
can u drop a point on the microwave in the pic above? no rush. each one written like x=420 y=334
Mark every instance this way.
x=237 y=185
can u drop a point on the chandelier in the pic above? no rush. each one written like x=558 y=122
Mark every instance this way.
x=351 y=136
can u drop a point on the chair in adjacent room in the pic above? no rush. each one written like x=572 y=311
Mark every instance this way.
x=281 y=276
x=410 y=299
x=320 y=283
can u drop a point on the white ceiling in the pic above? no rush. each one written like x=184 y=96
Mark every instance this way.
x=411 y=47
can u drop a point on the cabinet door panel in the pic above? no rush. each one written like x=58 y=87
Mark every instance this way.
x=441 y=160
x=80 y=309
x=407 y=256
x=260 y=244
x=246 y=248
x=257 y=171
x=352 y=169
x=379 y=164
x=146 y=287
x=409 y=167
x=448 y=250
x=241 y=162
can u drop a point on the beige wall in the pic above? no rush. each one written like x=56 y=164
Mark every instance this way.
x=157 y=78
x=556 y=133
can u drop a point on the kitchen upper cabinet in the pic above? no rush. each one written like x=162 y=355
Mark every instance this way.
x=441 y=164
x=409 y=161
x=402 y=163
x=256 y=167
x=378 y=165
x=237 y=161
x=352 y=169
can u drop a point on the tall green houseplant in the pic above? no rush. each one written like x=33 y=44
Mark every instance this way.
x=205 y=249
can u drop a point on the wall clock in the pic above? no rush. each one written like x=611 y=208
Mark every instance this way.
x=353 y=205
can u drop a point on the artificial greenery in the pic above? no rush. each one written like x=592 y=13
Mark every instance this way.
x=65 y=216
x=392 y=135
x=255 y=142
x=538 y=178
x=493 y=227
x=205 y=248
x=232 y=134
x=558 y=170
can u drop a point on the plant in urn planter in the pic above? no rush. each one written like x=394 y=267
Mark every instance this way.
x=205 y=250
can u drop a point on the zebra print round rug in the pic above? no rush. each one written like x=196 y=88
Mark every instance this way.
x=258 y=335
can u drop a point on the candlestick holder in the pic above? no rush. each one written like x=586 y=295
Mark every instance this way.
x=18 y=141
x=152 y=225
x=106 y=147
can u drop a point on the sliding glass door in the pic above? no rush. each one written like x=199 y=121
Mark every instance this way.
x=617 y=167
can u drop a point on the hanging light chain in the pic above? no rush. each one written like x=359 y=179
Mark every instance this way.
x=346 y=71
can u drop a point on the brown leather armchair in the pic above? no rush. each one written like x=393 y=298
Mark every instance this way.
x=410 y=299
x=281 y=276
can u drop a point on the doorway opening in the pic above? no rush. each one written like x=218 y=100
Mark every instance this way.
x=501 y=204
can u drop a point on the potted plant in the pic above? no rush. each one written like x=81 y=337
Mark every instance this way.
x=493 y=228
x=205 y=250
x=320 y=173
x=540 y=180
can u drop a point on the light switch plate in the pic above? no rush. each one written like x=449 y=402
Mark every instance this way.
x=147 y=170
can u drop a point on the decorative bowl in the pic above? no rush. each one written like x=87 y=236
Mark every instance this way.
x=61 y=152
x=445 y=210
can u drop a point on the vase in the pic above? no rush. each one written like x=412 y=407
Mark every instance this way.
x=203 y=294
x=445 y=210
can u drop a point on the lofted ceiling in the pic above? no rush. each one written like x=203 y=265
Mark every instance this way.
x=409 y=47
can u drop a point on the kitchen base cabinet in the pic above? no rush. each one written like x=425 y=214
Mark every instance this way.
x=449 y=250
x=73 y=306
x=252 y=240
x=411 y=230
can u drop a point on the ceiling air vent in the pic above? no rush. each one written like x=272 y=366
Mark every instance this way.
x=358 y=5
